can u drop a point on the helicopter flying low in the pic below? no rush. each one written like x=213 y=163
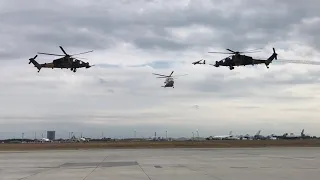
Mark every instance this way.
x=169 y=82
x=65 y=62
x=199 y=62
x=237 y=59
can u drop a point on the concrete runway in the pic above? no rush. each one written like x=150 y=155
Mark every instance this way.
x=163 y=164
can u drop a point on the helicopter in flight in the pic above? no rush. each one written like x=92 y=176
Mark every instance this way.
x=169 y=82
x=199 y=62
x=65 y=62
x=237 y=59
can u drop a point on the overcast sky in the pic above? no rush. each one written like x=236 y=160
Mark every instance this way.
x=133 y=39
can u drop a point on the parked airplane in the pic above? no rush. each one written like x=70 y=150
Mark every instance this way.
x=221 y=137
x=272 y=137
x=82 y=139
x=293 y=136
x=249 y=137
x=44 y=140
x=259 y=137
x=233 y=137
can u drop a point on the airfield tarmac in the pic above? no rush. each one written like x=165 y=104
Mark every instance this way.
x=163 y=164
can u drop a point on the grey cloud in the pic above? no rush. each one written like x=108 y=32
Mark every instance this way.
x=81 y=116
x=249 y=107
x=248 y=87
x=272 y=19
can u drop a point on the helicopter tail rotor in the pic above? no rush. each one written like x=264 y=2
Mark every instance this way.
x=30 y=60
x=35 y=63
x=275 y=54
x=271 y=58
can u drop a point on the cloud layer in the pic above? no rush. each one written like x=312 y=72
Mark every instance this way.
x=131 y=40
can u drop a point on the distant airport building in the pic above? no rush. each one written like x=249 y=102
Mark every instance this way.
x=51 y=135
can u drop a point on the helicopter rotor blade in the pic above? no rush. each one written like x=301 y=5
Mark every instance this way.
x=161 y=77
x=80 y=58
x=159 y=74
x=180 y=75
x=256 y=49
x=171 y=74
x=231 y=50
x=221 y=52
x=237 y=52
x=63 y=50
x=250 y=51
x=82 y=53
x=50 y=54
x=225 y=58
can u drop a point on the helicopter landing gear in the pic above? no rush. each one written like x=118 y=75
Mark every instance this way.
x=231 y=67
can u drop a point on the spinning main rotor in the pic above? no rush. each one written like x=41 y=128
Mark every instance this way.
x=237 y=52
x=170 y=76
x=65 y=54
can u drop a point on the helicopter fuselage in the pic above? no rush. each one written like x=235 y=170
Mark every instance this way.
x=169 y=82
x=169 y=79
x=66 y=61
x=243 y=60
x=238 y=59
x=62 y=63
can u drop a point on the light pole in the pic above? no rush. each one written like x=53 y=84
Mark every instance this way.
x=166 y=135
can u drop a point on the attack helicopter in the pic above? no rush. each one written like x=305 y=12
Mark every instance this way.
x=237 y=59
x=65 y=62
x=169 y=82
